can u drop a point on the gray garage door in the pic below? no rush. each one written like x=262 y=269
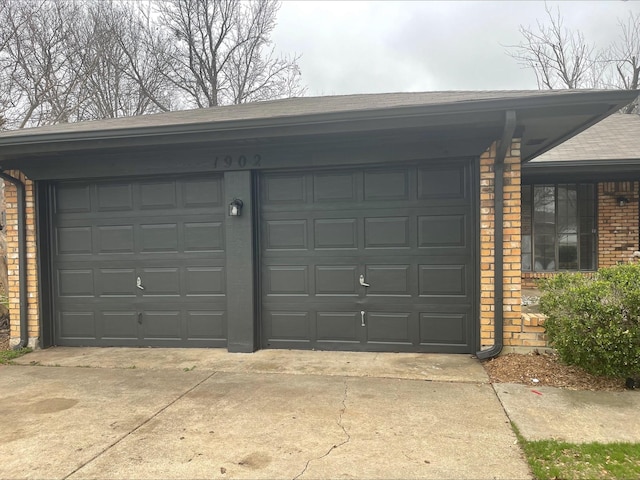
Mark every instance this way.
x=377 y=259
x=140 y=262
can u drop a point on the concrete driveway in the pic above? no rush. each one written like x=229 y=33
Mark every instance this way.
x=163 y=413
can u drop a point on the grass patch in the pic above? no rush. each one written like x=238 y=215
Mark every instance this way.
x=7 y=355
x=551 y=460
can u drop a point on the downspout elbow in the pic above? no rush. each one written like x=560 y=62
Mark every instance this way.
x=22 y=258
x=498 y=283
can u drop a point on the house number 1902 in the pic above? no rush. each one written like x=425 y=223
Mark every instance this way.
x=242 y=161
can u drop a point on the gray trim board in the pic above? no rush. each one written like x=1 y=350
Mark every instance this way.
x=240 y=265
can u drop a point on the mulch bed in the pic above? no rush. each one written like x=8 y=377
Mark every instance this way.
x=4 y=339
x=546 y=369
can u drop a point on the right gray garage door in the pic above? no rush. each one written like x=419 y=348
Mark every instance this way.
x=375 y=259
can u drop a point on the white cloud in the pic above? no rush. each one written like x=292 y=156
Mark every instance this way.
x=362 y=47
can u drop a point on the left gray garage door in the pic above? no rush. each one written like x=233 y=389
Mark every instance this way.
x=139 y=262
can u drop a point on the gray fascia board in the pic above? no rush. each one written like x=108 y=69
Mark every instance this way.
x=581 y=165
x=235 y=131
x=318 y=124
x=594 y=170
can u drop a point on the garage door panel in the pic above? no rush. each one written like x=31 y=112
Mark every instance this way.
x=386 y=185
x=158 y=195
x=165 y=324
x=442 y=231
x=388 y=327
x=443 y=182
x=205 y=281
x=160 y=281
x=159 y=238
x=119 y=325
x=386 y=232
x=334 y=187
x=203 y=237
x=283 y=189
x=441 y=280
x=206 y=325
x=388 y=280
x=336 y=280
x=203 y=193
x=288 y=326
x=437 y=328
x=338 y=327
x=115 y=197
x=168 y=232
x=408 y=230
x=74 y=240
x=75 y=283
x=115 y=239
x=73 y=198
x=77 y=324
x=286 y=234
x=335 y=233
x=287 y=280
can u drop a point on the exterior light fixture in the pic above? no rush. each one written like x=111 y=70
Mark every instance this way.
x=235 y=208
x=622 y=201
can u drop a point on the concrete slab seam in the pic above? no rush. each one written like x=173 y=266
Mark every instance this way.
x=333 y=447
x=506 y=413
x=511 y=424
x=109 y=447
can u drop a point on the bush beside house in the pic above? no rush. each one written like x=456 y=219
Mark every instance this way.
x=594 y=321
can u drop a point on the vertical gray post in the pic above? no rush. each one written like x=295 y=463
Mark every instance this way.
x=241 y=324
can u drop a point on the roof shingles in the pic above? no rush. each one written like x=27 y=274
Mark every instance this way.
x=291 y=107
x=617 y=137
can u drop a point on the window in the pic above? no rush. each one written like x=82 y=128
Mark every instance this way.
x=558 y=227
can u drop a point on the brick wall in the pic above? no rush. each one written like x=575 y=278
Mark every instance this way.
x=12 y=260
x=617 y=226
x=516 y=334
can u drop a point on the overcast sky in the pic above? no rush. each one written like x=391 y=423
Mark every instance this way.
x=380 y=46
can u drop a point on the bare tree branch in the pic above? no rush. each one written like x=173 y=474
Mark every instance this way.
x=560 y=58
x=71 y=60
x=221 y=53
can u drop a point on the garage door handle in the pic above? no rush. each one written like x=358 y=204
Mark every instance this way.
x=362 y=318
x=362 y=282
x=140 y=318
x=139 y=283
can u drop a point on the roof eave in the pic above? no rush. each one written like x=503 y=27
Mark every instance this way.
x=457 y=113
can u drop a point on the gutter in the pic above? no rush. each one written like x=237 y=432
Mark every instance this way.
x=22 y=258
x=498 y=226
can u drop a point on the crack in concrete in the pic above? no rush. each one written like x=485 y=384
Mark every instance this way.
x=109 y=447
x=336 y=446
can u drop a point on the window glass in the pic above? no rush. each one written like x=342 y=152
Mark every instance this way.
x=587 y=210
x=526 y=227
x=544 y=227
x=558 y=227
x=567 y=201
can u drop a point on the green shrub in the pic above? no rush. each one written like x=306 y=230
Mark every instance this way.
x=594 y=321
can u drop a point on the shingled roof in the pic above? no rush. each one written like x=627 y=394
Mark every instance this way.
x=544 y=119
x=617 y=137
x=290 y=108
